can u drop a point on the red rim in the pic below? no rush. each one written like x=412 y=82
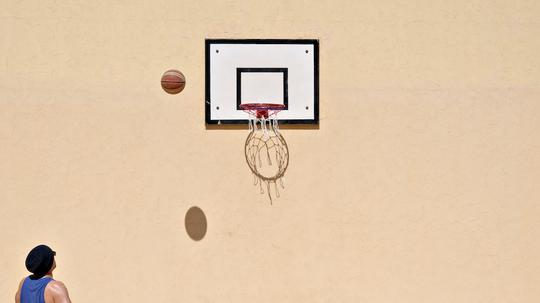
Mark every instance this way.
x=262 y=106
x=261 y=110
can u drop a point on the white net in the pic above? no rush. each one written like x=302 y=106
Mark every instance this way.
x=267 y=154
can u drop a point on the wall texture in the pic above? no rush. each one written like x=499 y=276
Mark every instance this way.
x=421 y=184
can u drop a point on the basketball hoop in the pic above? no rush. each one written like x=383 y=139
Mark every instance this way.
x=260 y=110
x=265 y=141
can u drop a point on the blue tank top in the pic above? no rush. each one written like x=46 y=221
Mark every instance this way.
x=33 y=291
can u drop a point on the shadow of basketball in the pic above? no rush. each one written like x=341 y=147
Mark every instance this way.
x=195 y=223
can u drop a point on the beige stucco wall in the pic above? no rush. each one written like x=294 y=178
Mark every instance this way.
x=421 y=184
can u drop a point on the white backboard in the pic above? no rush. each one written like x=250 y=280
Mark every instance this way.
x=262 y=71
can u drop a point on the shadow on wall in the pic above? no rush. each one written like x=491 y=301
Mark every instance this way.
x=196 y=224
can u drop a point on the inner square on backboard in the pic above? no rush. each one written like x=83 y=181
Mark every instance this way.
x=262 y=85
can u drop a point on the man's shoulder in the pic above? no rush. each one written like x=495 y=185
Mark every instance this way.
x=56 y=291
x=22 y=281
x=57 y=286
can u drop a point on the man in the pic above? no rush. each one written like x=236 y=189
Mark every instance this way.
x=40 y=287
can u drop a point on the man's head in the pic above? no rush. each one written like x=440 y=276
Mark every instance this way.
x=40 y=260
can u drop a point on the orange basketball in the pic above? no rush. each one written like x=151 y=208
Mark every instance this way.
x=173 y=81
